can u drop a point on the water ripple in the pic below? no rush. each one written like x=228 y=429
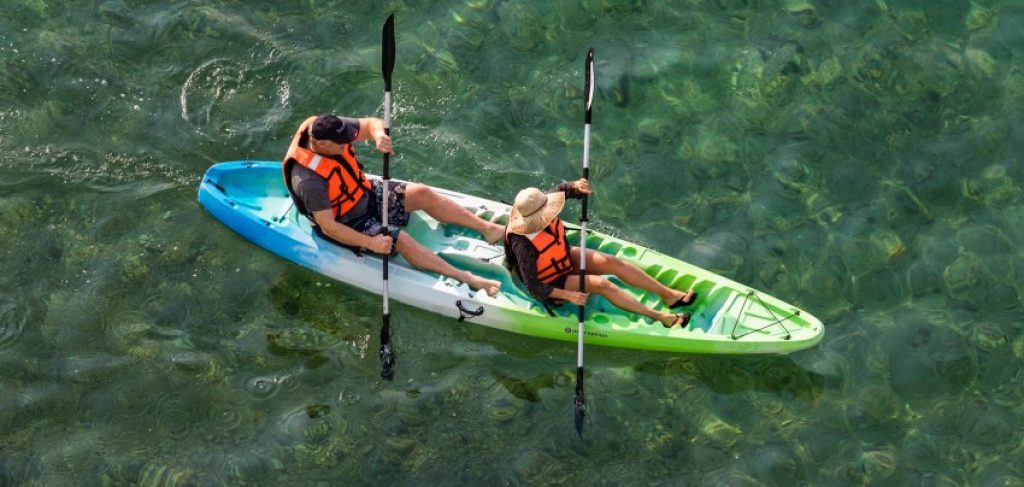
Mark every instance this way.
x=230 y=415
x=175 y=415
x=217 y=97
x=266 y=387
x=12 y=325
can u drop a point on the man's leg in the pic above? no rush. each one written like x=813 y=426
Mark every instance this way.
x=422 y=258
x=422 y=197
x=601 y=263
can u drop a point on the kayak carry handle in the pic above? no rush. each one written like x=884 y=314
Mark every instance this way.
x=468 y=313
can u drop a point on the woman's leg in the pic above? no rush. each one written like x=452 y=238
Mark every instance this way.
x=422 y=258
x=601 y=263
x=620 y=298
x=422 y=197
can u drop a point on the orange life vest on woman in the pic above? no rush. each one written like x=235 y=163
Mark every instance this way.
x=553 y=259
x=346 y=183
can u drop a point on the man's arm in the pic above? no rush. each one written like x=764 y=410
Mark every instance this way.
x=372 y=128
x=380 y=244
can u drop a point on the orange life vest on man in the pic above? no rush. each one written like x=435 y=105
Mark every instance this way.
x=346 y=183
x=553 y=259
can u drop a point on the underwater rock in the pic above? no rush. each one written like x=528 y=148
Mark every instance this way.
x=874 y=413
x=230 y=415
x=203 y=366
x=93 y=368
x=803 y=12
x=175 y=414
x=300 y=341
x=987 y=424
x=712 y=146
x=878 y=465
x=824 y=73
x=994 y=188
x=821 y=283
x=518 y=21
x=731 y=476
x=978 y=17
x=501 y=411
x=72 y=319
x=244 y=468
x=686 y=98
x=137 y=473
x=775 y=212
x=968 y=281
x=718 y=432
x=989 y=335
x=993 y=245
x=711 y=257
x=831 y=367
x=134 y=268
x=962 y=274
x=412 y=411
x=654 y=131
x=882 y=287
x=776 y=465
x=747 y=73
x=980 y=62
x=860 y=256
x=923 y=280
x=1000 y=474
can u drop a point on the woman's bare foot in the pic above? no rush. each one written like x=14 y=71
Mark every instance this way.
x=490 y=286
x=679 y=298
x=668 y=321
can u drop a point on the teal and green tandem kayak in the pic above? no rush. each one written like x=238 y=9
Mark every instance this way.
x=728 y=318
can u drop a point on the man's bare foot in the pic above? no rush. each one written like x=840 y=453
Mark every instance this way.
x=490 y=286
x=494 y=233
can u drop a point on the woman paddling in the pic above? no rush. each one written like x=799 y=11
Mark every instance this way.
x=537 y=252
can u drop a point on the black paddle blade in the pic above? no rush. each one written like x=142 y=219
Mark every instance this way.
x=387 y=62
x=387 y=362
x=588 y=88
x=579 y=402
x=387 y=354
x=580 y=413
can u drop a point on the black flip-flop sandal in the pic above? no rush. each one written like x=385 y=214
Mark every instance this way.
x=681 y=302
x=682 y=319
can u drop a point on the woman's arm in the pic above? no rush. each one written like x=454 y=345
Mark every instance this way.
x=525 y=255
x=573 y=296
x=574 y=189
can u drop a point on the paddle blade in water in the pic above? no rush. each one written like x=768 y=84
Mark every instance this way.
x=580 y=412
x=387 y=362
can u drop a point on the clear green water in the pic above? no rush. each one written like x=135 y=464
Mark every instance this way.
x=859 y=159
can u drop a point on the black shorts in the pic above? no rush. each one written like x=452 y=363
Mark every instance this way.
x=559 y=282
x=372 y=222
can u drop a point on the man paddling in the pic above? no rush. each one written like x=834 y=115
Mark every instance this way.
x=538 y=253
x=344 y=205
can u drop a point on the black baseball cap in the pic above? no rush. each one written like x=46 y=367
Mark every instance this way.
x=335 y=129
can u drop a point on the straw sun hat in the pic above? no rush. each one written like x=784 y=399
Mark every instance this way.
x=533 y=210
